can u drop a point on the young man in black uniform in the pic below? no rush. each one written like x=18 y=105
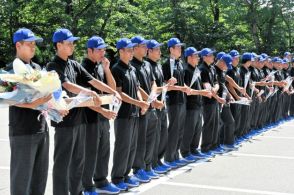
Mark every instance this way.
x=210 y=105
x=97 y=147
x=127 y=122
x=245 y=81
x=147 y=121
x=154 y=55
x=193 y=121
x=28 y=133
x=234 y=73
x=176 y=101
x=227 y=126
x=70 y=133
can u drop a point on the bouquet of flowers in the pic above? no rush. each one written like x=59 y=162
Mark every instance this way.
x=26 y=85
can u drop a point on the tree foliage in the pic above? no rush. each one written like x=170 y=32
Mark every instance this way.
x=246 y=25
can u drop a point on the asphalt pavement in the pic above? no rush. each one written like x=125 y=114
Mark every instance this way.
x=264 y=165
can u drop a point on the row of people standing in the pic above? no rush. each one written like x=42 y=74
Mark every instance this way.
x=147 y=130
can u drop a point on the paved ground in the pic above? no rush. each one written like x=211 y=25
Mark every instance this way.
x=263 y=166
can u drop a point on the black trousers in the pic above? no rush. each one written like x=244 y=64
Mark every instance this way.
x=69 y=158
x=236 y=112
x=97 y=152
x=292 y=105
x=244 y=121
x=126 y=135
x=210 y=126
x=176 y=117
x=29 y=164
x=192 y=131
x=161 y=137
x=146 y=140
x=227 y=127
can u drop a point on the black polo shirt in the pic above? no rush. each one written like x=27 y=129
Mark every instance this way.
x=266 y=71
x=243 y=73
x=174 y=97
x=157 y=73
x=234 y=73
x=125 y=77
x=193 y=101
x=291 y=73
x=25 y=121
x=70 y=71
x=221 y=78
x=208 y=75
x=144 y=74
x=255 y=74
x=97 y=71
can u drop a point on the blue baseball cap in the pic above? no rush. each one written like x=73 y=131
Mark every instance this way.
x=174 y=42
x=219 y=55
x=247 y=56
x=125 y=43
x=151 y=44
x=254 y=55
x=63 y=34
x=261 y=59
x=264 y=55
x=139 y=40
x=96 y=42
x=191 y=51
x=285 y=61
x=228 y=60
x=206 y=52
x=287 y=53
x=277 y=59
x=24 y=34
x=234 y=53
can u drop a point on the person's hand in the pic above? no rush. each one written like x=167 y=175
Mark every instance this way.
x=108 y=114
x=117 y=95
x=96 y=99
x=172 y=81
x=186 y=90
x=143 y=105
x=221 y=100
x=157 y=104
x=105 y=63
x=242 y=90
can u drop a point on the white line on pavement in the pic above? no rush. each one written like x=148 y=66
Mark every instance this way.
x=164 y=178
x=226 y=189
x=4 y=168
x=262 y=156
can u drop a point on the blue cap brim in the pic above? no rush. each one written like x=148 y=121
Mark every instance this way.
x=101 y=46
x=131 y=45
x=71 y=39
x=156 y=46
x=143 y=42
x=212 y=52
x=36 y=39
x=179 y=44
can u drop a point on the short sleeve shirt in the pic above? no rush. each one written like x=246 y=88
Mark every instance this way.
x=174 y=97
x=193 y=101
x=208 y=75
x=70 y=71
x=25 y=121
x=126 y=78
